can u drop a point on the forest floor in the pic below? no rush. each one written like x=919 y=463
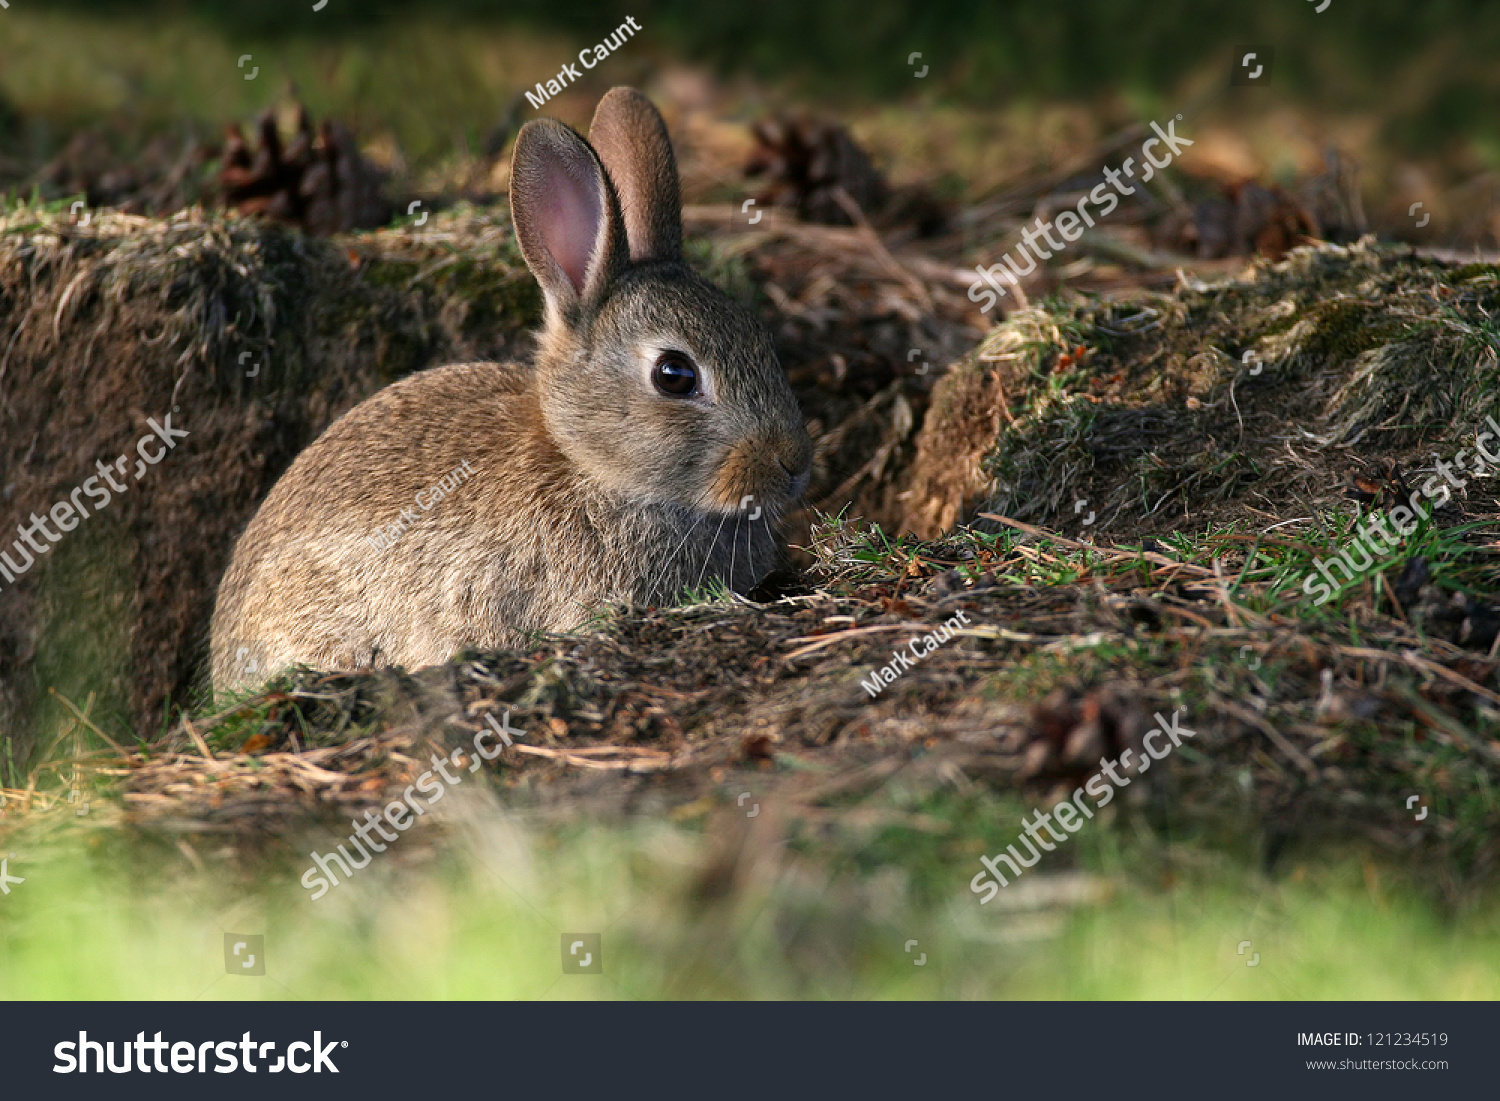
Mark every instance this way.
x=1121 y=493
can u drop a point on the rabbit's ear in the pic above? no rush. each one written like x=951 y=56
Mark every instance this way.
x=631 y=139
x=565 y=215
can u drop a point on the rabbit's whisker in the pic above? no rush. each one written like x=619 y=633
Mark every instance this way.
x=734 y=548
x=708 y=555
x=666 y=567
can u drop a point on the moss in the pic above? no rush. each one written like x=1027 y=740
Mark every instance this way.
x=397 y=273
x=1474 y=273
x=84 y=602
x=1342 y=329
x=1194 y=397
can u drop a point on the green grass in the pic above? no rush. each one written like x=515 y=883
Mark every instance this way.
x=1026 y=47
x=1264 y=572
x=713 y=591
x=484 y=915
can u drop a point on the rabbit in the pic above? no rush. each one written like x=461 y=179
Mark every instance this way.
x=654 y=444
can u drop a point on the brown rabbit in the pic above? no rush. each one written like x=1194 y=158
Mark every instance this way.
x=652 y=446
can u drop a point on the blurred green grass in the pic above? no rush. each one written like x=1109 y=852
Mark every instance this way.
x=442 y=79
x=1024 y=47
x=482 y=916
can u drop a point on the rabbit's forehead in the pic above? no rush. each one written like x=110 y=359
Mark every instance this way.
x=693 y=317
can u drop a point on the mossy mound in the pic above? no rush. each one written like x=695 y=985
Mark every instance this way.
x=254 y=338
x=1199 y=407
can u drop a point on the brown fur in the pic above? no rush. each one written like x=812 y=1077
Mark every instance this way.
x=590 y=487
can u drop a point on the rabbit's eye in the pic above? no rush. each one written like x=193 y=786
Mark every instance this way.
x=675 y=375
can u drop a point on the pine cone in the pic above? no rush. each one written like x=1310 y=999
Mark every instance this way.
x=806 y=162
x=322 y=184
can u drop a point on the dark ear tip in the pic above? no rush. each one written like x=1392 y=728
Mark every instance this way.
x=544 y=146
x=623 y=100
x=624 y=92
x=546 y=132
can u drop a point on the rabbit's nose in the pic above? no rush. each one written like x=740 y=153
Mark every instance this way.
x=800 y=479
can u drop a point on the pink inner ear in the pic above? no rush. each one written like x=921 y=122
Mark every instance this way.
x=571 y=215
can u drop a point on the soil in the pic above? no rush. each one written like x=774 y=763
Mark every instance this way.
x=1149 y=409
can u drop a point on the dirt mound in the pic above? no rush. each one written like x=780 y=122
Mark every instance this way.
x=254 y=338
x=251 y=338
x=1216 y=403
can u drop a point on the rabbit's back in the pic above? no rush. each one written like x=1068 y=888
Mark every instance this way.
x=408 y=524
